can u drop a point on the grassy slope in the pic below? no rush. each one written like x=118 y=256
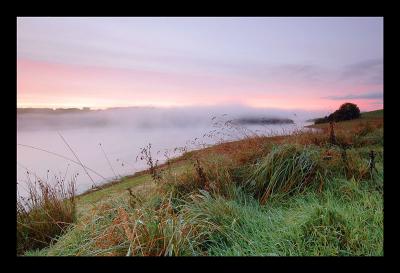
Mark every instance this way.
x=373 y=114
x=305 y=224
x=137 y=183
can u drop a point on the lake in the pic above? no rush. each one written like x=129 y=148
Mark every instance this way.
x=122 y=132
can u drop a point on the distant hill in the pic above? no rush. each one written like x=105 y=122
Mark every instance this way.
x=76 y=110
x=52 y=111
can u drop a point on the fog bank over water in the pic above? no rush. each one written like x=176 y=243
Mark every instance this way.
x=122 y=132
x=150 y=117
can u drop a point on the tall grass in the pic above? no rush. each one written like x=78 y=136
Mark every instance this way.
x=306 y=225
x=115 y=228
x=44 y=214
x=287 y=168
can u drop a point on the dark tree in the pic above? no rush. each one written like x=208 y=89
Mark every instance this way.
x=346 y=111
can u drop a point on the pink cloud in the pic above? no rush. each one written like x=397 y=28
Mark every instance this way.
x=57 y=85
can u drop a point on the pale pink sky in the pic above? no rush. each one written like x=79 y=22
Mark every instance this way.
x=288 y=63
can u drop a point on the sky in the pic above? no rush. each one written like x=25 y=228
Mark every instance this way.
x=263 y=62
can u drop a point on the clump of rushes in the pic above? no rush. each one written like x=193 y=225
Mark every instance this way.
x=44 y=214
x=287 y=168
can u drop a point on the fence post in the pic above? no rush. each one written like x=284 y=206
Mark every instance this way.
x=332 y=133
x=372 y=161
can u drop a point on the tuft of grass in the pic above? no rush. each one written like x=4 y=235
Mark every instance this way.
x=286 y=169
x=44 y=214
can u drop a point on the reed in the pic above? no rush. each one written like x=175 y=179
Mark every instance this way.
x=44 y=213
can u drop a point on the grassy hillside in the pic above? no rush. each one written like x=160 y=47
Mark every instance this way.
x=288 y=196
x=373 y=114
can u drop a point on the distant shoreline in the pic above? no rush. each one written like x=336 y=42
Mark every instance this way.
x=261 y=121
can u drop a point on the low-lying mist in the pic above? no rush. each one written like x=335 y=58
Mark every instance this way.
x=42 y=153
x=151 y=117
